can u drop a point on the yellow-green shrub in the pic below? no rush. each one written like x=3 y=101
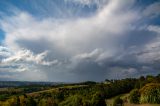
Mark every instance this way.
x=150 y=93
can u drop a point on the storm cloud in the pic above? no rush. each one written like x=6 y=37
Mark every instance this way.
x=81 y=40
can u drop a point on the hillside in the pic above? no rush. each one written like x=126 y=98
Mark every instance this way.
x=143 y=91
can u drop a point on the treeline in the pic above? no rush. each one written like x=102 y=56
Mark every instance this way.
x=6 y=93
x=4 y=84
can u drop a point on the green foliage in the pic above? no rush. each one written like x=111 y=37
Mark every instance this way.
x=18 y=100
x=98 y=99
x=47 y=102
x=118 y=101
x=42 y=102
x=149 y=78
x=158 y=76
x=84 y=94
x=14 y=101
x=150 y=93
x=75 y=100
x=3 y=97
x=31 y=102
x=134 y=96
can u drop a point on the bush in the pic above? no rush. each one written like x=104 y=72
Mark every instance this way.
x=134 y=96
x=98 y=99
x=118 y=101
x=31 y=102
x=150 y=93
x=75 y=100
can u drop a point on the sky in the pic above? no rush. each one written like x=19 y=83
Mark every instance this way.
x=78 y=40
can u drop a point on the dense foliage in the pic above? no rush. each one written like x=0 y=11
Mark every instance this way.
x=150 y=93
x=148 y=90
x=118 y=101
x=134 y=96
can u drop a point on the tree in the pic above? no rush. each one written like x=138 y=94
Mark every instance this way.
x=15 y=101
x=142 y=78
x=75 y=100
x=31 y=102
x=98 y=99
x=42 y=102
x=149 y=78
x=18 y=100
x=158 y=76
x=51 y=102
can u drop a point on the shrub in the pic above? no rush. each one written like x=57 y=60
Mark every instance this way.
x=150 y=93
x=75 y=100
x=98 y=99
x=134 y=96
x=118 y=101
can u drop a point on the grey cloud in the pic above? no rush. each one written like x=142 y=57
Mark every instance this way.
x=4 y=52
x=152 y=10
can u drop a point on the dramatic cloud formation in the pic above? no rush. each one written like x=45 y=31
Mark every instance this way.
x=93 y=40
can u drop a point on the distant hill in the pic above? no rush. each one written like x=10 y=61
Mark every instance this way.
x=25 y=83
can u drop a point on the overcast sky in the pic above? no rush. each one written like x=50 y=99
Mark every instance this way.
x=78 y=40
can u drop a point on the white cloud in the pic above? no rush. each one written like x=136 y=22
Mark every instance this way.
x=27 y=56
x=94 y=54
x=154 y=28
x=4 y=52
x=72 y=36
x=23 y=60
x=23 y=64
